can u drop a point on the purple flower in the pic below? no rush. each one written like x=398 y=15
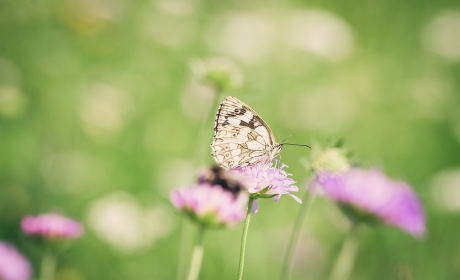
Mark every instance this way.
x=370 y=191
x=13 y=266
x=267 y=181
x=52 y=226
x=209 y=205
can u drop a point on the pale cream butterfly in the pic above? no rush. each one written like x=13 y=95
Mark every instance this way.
x=242 y=137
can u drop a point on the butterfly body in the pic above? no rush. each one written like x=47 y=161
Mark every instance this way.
x=241 y=136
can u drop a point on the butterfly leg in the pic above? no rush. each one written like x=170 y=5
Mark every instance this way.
x=262 y=163
x=277 y=160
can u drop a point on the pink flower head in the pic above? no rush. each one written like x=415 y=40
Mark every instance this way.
x=391 y=202
x=209 y=205
x=267 y=181
x=13 y=266
x=52 y=226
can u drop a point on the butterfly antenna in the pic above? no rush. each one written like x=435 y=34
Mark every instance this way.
x=286 y=139
x=298 y=145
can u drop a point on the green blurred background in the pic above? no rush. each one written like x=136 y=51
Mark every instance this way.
x=100 y=112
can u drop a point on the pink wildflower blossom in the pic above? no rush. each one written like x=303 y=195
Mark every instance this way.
x=392 y=202
x=267 y=181
x=209 y=205
x=13 y=266
x=52 y=226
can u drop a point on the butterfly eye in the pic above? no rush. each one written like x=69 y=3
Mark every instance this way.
x=237 y=129
x=234 y=134
x=227 y=154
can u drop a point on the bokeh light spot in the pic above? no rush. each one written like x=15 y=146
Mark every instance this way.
x=119 y=220
x=445 y=190
x=242 y=35
x=104 y=110
x=441 y=35
x=321 y=33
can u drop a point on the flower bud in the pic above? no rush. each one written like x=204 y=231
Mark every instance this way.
x=221 y=73
x=332 y=160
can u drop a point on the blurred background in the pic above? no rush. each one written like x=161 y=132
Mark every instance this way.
x=100 y=112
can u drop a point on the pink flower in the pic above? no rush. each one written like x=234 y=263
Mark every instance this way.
x=261 y=176
x=13 y=266
x=52 y=226
x=209 y=205
x=267 y=181
x=392 y=202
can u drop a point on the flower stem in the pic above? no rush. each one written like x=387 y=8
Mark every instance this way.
x=243 y=239
x=301 y=217
x=200 y=145
x=204 y=131
x=185 y=241
x=48 y=265
x=197 y=256
x=346 y=258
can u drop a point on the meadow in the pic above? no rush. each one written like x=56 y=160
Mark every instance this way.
x=104 y=111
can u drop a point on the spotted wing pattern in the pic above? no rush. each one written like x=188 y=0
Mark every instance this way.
x=241 y=136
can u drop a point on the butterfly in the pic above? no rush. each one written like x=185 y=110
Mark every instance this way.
x=241 y=136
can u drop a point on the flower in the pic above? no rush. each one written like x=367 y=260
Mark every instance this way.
x=13 y=266
x=219 y=72
x=369 y=195
x=51 y=226
x=331 y=160
x=209 y=205
x=264 y=180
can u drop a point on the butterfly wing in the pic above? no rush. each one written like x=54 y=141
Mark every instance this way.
x=238 y=146
x=241 y=136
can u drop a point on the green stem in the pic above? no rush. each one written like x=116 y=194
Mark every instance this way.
x=346 y=258
x=48 y=265
x=183 y=257
x=301 y=217
x=197 y=256
x=243 y=239
x=202 y=140
x=201 y=143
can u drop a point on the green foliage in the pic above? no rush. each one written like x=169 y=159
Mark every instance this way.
x=97 y=99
